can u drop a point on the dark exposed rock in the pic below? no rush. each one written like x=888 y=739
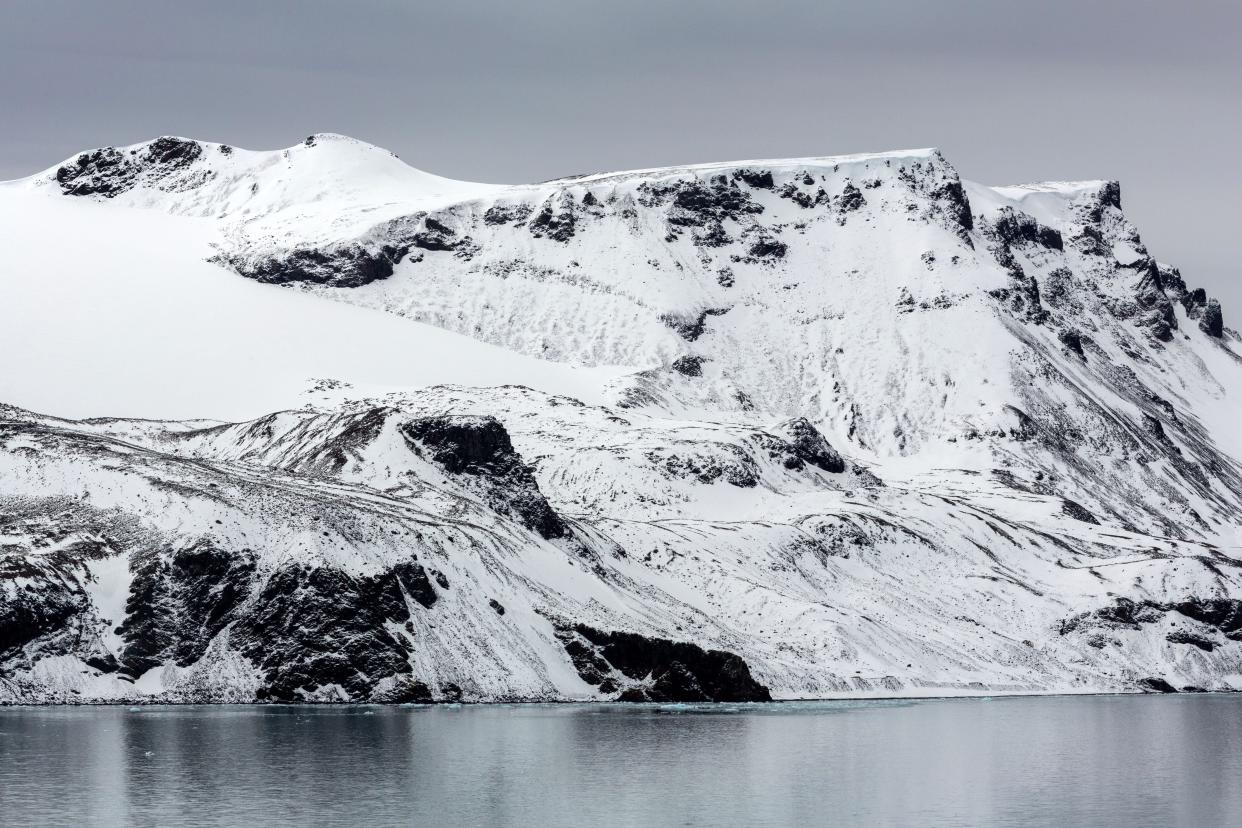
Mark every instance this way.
x=703 y=206
x=953 y=195
x=507 y=214
x=1110 y=194
x=305 y=628
x=1194 y=301
x=851 y=199
x=691 y=328
x=688 y=365
x=1090 y=241
x=1058 y=290
x=591 y=666
x=1023 y=298
x=360 y=430
x=735 y=467
x=905 y=301
x=417 y=585
x=106 y=172
x=660 y=670
x=466 y=444
x=480 y=448
x=33 y=612
x=696 y=202
x=173 y=153
x=496 y=605
x=1124 y=613
x=179 y=601
x=802 y=199
x=404 y=691
x=435 y=236
x=1076 y=510
x=676 y=683
x=1152 y=684
x=109 y=172
x=1187 y=637
x=1155 y=307
x=1022 y=295
x=311 y=628
x=1130 y=613
x=1154 y=427
x=711 y=234
x=351 y=265
x=810 y=446
x=1223 y=615
x=1093 y=206
x=1171 y=280
x=758 y=179
x=941 y=185
x=1016 y=228
x=1072 y=340
x=1213 y=321
x=556 y=220
x=1207 y=311
x=768 y=248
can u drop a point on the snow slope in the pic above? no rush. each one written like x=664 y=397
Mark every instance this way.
x=803 y=427
x=117 y=312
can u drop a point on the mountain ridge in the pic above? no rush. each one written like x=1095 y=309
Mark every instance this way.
x=840 y=426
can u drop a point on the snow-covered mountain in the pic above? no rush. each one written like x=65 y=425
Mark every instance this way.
x=797 y=428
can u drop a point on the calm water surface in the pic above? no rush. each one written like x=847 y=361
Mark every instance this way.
x=1066 y=761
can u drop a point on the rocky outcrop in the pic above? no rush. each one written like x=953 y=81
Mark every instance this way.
x=946 y=201
x=349 y=265
x=1206 y=311
x=642 y=669
x=809 y=446
x=755 y=179
x=556 y=220
x=1221 y=616
x=41 y=605
x=108 y=172
x=1014 y=228
x=479 y=449
x=179 y=600
x=701 y=207
x=689 y=365
x=315 y=629
x=691 y=327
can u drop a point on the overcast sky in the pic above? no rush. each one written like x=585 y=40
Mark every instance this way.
x=1010 y=90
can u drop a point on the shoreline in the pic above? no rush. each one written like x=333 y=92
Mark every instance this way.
x=775 y=703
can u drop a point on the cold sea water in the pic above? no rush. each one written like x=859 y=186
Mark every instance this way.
x=1056 y=761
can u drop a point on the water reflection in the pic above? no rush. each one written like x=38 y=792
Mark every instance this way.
x=1037 y=761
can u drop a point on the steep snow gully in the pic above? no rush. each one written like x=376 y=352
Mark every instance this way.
x=320 y=426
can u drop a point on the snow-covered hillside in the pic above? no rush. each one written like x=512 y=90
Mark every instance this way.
x=798 y=428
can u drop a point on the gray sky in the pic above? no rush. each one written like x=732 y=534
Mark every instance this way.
x=1011 y=90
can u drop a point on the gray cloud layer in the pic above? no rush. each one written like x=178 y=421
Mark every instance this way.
x=1142 y=91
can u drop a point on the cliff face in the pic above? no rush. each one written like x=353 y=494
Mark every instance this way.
x=798 y=428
